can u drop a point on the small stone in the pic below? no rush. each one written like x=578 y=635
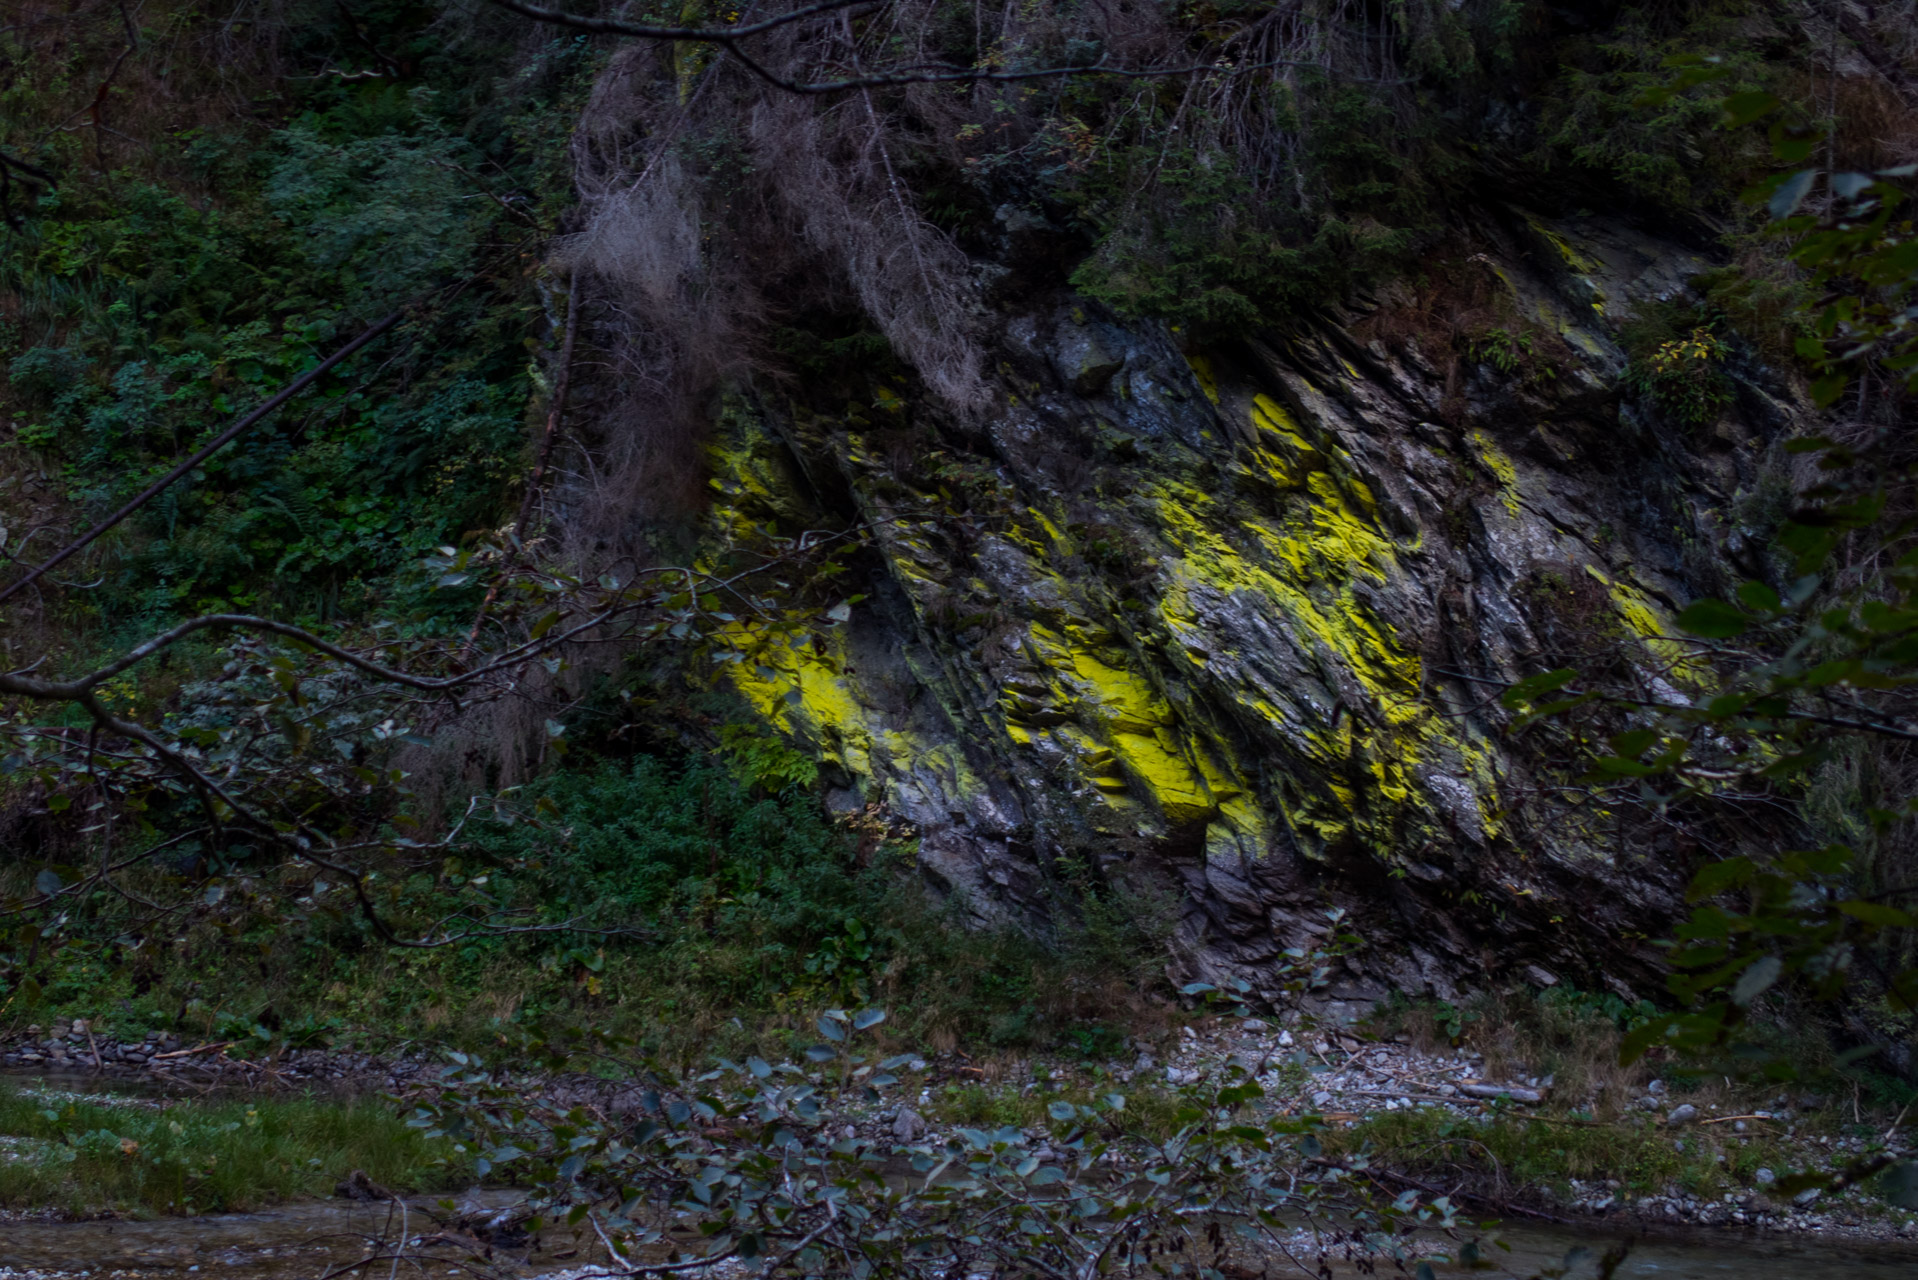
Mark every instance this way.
x=1684 y=1114
x=1321 y=1098
x=907 y=1125
x=1764 y=1177
x=1253 y=1024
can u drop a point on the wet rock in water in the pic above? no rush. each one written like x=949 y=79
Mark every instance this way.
x=357 y=1186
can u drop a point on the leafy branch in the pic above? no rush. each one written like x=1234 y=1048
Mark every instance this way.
x=1781 y=677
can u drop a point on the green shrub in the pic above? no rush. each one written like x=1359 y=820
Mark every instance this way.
x=1685 y=377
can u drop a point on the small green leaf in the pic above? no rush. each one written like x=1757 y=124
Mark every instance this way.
x=1641 y=1038
x=1758 y=976
x=1756 y=595
x=1743 y=108
x=1712 y=619
x=1847 y=186
x=1791 y=193
x=1532 y=688
x=1877 y=913
x=1632 y=743
x=1714 y=879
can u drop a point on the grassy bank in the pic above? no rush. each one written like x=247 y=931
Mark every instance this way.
x=1511 y=1155
x=92 y=1155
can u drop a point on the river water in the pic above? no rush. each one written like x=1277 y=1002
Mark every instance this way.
x=299 y=1242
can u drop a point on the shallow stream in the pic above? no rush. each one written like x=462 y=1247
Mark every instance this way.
x=301 y=1241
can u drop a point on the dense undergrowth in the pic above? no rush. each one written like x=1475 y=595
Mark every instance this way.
x=715 y=908
x=196 y=255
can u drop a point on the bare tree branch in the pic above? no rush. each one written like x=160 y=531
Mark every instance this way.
x=729 y=40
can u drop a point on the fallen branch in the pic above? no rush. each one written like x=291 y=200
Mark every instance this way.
x=1723 y=1119
x=187 y=1053
x=1493 y=1092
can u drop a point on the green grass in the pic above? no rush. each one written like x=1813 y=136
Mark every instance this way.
x=1516 y=1152
x=128 y=1156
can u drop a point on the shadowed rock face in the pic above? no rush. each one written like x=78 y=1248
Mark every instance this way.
x=1213 y=618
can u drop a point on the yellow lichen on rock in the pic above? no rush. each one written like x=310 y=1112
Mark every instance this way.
x=1307 y=568
x=1584 y=266
x=1503 y=469
x=1646 y=621
x=802 y=692
x=1208 y=379
x=1143 y=746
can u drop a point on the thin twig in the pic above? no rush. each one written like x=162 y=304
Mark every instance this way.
x=553 y=415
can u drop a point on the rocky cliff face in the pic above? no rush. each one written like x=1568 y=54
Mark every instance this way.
x=1218 y=617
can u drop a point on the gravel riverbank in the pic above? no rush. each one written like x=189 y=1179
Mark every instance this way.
x=1354 y=1082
